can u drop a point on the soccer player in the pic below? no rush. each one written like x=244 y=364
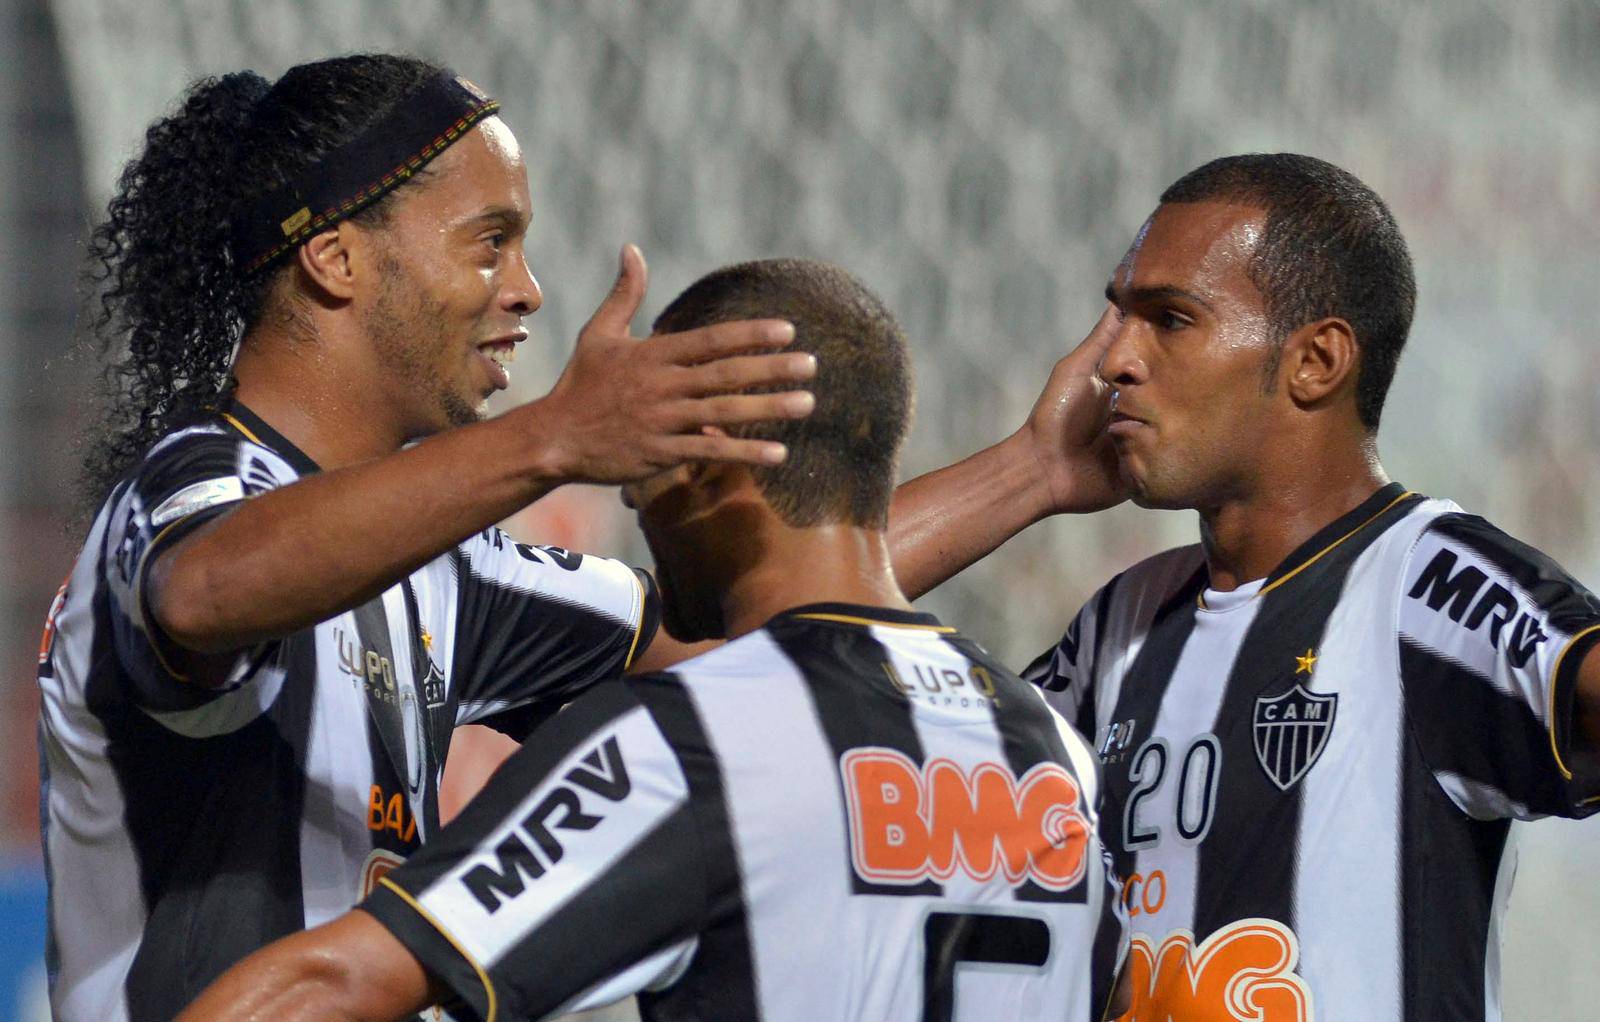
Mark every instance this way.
x=1317 y=724
x=848 y=812
x=253 y=672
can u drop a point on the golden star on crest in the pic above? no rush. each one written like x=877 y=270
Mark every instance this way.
x=427 y=641
x=1304 y=664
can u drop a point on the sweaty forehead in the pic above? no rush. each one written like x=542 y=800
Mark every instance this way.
x=1204 y=247
x=482 y=170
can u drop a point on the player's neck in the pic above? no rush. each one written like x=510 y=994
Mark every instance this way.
x=821 y=564
x=1246 y=538
x=299 y=387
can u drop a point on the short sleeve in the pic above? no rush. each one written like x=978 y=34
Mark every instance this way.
x=187 y=480
x=1491 y=633
x=1065 y=672
x=572 y=880
x=537 y=625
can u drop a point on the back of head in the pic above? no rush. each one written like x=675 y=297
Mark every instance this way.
x=842 y=459
x=1331 y=248
x=173 y=301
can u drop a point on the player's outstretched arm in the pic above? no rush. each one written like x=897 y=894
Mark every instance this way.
x=620 y=411
x=349 y=970
x=1060 y=461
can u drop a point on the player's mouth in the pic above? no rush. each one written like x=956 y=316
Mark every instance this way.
x=1123 y=424
x=498 y=354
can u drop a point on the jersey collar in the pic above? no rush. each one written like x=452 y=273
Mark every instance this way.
x=1313 y=549
x=862 y=614
x=256 y=430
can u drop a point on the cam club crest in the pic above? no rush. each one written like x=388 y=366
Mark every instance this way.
x=1291 y=730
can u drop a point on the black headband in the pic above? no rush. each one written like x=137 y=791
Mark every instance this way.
x=362 y=171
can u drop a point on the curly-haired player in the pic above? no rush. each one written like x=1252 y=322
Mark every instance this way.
x=280 y=615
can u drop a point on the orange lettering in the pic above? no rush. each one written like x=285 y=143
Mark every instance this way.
x=908 y=825
x=375 y=809
x=396 y=819
x=1241 y=973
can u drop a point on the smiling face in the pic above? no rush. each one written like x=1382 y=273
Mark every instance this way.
x=444 y=308
x=1194 y=360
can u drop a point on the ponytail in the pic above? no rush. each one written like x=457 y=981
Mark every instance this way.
x=173 y=305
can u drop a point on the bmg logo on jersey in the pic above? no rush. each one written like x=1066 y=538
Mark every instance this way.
x=909 y=824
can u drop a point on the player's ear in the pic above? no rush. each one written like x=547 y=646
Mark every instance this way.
x=329 y=260
x=1319 y=360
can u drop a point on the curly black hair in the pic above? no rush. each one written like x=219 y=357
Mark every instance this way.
x=172 y=303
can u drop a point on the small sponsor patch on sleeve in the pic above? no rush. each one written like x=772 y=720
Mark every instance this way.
x=197 y=497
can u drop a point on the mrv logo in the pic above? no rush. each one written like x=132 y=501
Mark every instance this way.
x=1440 y=584
x=526 y=853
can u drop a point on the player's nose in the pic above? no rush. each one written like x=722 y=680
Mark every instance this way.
x=1124 y=365
x=521 y=293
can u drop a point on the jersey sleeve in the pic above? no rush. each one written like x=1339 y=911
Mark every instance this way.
x=537 y=625
x=575 y=878
x=1065 y=671
x=186 y=481
x=1491 y=633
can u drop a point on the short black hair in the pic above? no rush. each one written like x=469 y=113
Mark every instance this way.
x=843 y=457
x=1330 y=248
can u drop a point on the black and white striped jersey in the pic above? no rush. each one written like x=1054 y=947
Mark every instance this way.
x=1310 y=779
x=851 y=814
x=186 y=827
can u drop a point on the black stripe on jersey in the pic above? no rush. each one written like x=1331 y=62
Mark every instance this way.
x=216 y=881
x=1028 y=735
x=270 y=438
x=1567 y=604
x=955 y=937
x=1238 y=877
x=1448 y=867
x=387 y=700
x=721 y=979
x=850 y=714
x=1138 y=702
x=1492 y=737
x=1084 y=719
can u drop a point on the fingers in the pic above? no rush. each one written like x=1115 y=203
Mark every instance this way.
x=742 y=372
x=615 y=315
x=711 y=447
x=739 y=409
x=694 y=346
x=1091 y=351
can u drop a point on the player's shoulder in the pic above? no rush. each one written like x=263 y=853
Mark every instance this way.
x=211 y=451
x=1149 y=583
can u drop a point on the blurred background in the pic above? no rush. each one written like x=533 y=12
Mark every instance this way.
x=982 y=166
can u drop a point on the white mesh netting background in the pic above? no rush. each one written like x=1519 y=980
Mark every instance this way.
x=982 y=166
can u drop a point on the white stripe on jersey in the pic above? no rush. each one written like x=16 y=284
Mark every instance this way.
x=334 y=842
x=658 y=788
x=753 y=703
x=1351 y=874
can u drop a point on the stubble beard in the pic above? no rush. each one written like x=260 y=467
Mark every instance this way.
x=407 y=331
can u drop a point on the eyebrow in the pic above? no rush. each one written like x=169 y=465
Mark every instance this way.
x=504 y=216
x=1151 y=295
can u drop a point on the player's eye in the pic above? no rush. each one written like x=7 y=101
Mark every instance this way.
x=495 y=239
x=1170 y=319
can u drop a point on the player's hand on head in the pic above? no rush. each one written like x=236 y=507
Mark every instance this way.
x=1066 y=431
x=626 y=409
